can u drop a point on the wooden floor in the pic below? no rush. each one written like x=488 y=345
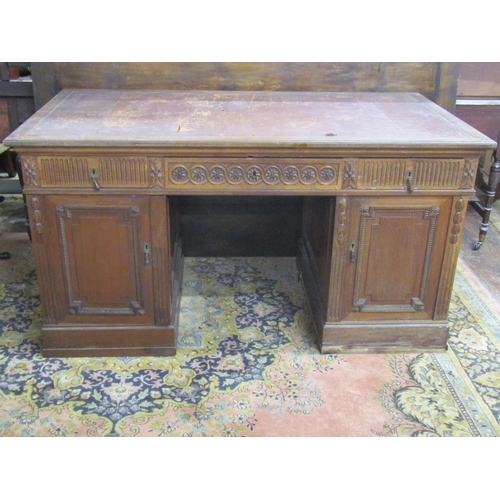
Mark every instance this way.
x=485 y=262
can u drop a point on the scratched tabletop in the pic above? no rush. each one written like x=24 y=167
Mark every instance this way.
x=131 y=118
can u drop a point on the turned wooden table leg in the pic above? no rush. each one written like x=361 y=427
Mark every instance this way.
x=493 y=179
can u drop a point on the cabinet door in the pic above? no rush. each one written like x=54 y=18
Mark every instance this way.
x=394 y=255
x=102 y=273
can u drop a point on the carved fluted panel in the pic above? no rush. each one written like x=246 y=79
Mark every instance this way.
x=124 y=172
x=438 y=174
x=65 y=171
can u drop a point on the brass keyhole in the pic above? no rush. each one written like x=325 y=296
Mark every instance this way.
x=352 y=252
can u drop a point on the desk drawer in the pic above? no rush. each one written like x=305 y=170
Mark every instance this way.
x=409 y=173
x=236 y=174
x=76 y=172
x=253 y=175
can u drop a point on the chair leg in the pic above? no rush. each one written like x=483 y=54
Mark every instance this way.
x=493 y=180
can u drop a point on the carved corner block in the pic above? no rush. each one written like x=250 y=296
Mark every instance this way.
x=469 y=173
x=156 y=173
x=29 y=166
x=350 y=174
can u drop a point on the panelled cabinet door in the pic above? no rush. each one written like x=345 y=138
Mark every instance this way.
x=103 y=273
x=394 y=255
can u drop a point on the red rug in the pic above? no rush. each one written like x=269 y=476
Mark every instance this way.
x=248 y=365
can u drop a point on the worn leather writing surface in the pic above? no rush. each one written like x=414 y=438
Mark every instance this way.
x=175 y=118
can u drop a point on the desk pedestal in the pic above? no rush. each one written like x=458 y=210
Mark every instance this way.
x=377 y=270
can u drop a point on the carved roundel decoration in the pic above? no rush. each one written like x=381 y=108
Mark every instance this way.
x=290 y=175
x=235 y=175
x=308 y=175
x=179 y=175
x=199 y=174
x=327 y=175
x=217 y=174
x=254 y=174
x=272 y=175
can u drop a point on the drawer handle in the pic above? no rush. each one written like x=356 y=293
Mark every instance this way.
x=146 y=253
x=409 y=181
x=93 y=176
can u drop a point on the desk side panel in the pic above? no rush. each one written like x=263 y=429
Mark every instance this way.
x=314 y=257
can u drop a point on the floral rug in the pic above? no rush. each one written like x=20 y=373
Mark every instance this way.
x=247 y=365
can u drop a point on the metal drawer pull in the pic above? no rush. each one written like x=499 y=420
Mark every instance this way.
x=409 y=181
x=93 y=176
x=146 y=253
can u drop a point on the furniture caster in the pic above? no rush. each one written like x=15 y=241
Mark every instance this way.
x=477 y=245
x=4 y=255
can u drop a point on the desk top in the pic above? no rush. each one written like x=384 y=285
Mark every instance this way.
x=125 y=118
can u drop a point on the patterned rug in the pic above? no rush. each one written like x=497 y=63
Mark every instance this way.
x=247 y=365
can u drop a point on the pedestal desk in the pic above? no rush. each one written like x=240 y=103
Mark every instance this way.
x=382 y=178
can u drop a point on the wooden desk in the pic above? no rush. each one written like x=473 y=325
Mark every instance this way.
x=383 y=180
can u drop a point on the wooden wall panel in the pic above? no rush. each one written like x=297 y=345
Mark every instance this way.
x=479 y=79
x=4 y=118
x=484 y=118
x=435 y=80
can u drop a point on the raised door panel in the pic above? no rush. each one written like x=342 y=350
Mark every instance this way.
x=395 y=252
x=104 y=269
